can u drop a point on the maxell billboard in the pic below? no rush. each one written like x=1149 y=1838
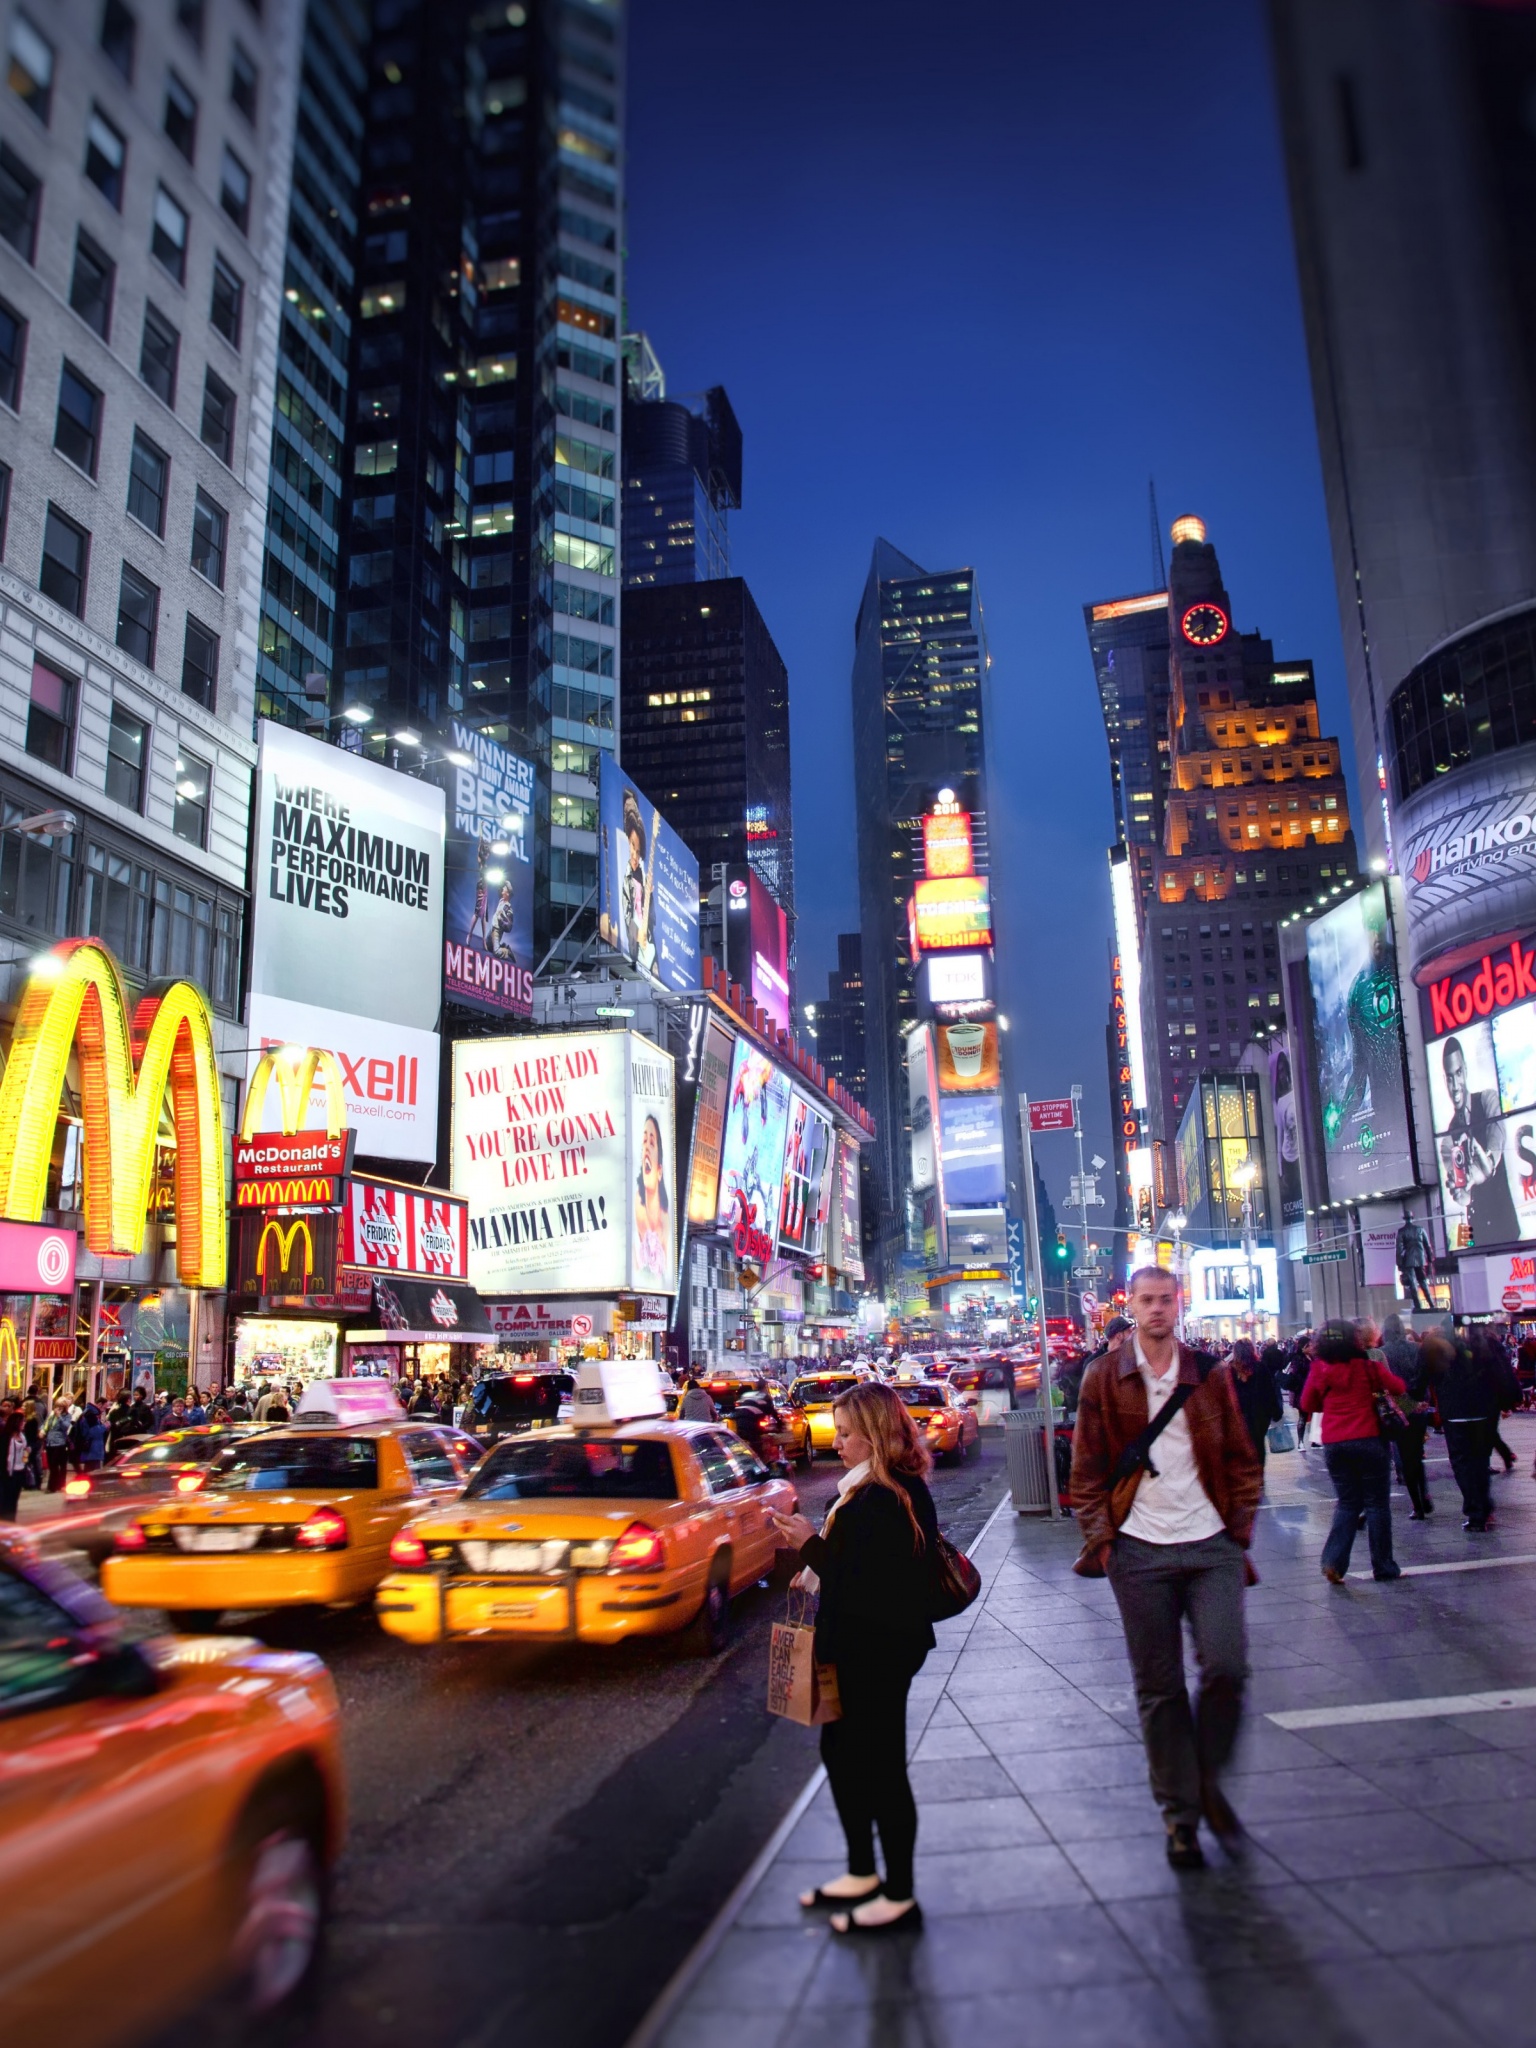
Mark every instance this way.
x=346 y=930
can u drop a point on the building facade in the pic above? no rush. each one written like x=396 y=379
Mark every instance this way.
x=919 y=728
x=480 y=556
x=301 y=589
x=838 y=1023
x=682 y=478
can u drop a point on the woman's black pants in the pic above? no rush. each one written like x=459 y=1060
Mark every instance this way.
x=865 y=1753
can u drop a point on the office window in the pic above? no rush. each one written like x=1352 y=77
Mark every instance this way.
x=138 y=616
x=168 y=241
x=228 y=302
x=218 y=428
x=77 y=427
x=117 y=904
x=210 y=526
x=29 y=71
x=158 y=354
x=235 y=190
x=51 y=716
x=149 y=471
x=191 y=816
x=5 y=502
x=127 y=753
x=378 y=299
x=105 y=155
x=19 y=195
x=182 y=942
x=242 y=82
x=189 y=19
x=90 y=285
x=180 y=115
x=119 y=31
x=13 y=347
x=200 y=664
x=65 y=547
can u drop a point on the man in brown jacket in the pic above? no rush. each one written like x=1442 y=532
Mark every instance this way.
x=1174 y=1548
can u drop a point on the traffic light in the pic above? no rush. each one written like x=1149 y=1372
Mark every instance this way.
x=1063 y=1251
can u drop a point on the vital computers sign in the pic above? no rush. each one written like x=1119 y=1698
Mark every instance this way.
x=76 y=1002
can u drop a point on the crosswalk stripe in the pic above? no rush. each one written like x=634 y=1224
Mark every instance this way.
x=1298 y=1719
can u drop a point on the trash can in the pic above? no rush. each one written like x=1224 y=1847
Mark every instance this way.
x=1024 y=1440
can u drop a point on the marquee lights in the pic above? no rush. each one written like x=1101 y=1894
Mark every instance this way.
x=76 y=1000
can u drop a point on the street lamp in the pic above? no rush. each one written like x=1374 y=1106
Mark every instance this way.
x=1246 y=1177
x=43 y=825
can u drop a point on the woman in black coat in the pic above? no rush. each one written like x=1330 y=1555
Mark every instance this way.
x=874 y=1567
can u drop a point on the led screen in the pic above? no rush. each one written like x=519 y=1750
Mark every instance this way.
x=752 y=1162
x=971 y=1147
x=1352 y=966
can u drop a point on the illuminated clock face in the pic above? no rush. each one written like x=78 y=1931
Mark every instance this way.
x=1204 y=625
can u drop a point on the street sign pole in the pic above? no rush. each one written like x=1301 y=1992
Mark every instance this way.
x=1032 y=1248
x=1082 y=1192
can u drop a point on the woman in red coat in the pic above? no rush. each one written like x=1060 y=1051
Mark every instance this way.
x=1342 y=1385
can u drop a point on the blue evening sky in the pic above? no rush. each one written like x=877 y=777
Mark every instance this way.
x=971 y=274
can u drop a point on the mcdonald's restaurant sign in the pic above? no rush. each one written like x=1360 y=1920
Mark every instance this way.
x=76 y=1002
x=293 y=1168
x=288 y=1255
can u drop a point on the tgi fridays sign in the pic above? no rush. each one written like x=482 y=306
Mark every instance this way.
x=392 y=1229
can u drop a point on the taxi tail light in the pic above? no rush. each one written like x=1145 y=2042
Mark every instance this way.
x=639 y=1549
x=76 y=1489
x=324 y=1530
x=190 y=1482
x=407 y=1549
x=131 y=1537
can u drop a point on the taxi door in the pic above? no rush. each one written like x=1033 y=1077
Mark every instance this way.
x=107 y=1840
x=377 y=1515
x=725 y=1474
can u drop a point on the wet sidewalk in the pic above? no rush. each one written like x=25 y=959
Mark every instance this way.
x=1388 y=1892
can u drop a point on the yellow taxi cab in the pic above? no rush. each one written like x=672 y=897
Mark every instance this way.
x=169 y=1813
x=627 y=1525
x=299 y=1516
x=790 y=1429
x=813 y=1395
x=951 y=1429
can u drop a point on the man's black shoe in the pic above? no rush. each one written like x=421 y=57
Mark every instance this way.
x=1184 y=1850
x=1221 y=1820
x=1477 y=1528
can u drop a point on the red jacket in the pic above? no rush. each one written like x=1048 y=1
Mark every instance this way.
x=1343 y=1393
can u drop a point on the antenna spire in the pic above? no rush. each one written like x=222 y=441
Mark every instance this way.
x=1159 y=567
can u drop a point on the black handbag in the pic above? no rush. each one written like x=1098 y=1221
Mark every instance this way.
x=956 y=1581
x=1391 y=1422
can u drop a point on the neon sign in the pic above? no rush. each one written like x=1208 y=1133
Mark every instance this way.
x=76 y=1001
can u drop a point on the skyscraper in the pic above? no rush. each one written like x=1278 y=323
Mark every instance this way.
x=1128 y=637
x=1410 y=156
x=919 y=728
x=144 y=205
x=481 y=556
x=838 y=1023
x=1256 y=825
x=682 y=478
x=300 y=589
x=705 y=700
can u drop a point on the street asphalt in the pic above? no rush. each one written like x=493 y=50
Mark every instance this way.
x=537 y=1837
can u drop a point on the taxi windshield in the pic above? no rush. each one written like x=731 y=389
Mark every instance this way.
x=282 y=1464
x=920 y=1396
x=592 y=1468
x=817 y=1392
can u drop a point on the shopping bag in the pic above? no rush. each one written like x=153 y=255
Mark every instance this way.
x=1281 y=1436
x=799 y=1688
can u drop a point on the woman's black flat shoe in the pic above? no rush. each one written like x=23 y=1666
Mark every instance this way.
x=820 y=1901
x=904 y=1923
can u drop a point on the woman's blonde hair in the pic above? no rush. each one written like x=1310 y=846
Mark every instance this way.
x=896 y=1447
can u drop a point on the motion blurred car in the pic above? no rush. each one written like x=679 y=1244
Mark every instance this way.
x=296 y=1517
x=791 y=1429
x=950 y=1428
x=814 y=1394
x=170 y=1815
x=639 y=1529
x=145 y=1470
x=504 y=1404
x=984 y=1389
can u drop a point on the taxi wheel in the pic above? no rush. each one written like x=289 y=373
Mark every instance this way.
x=282 y=1910
x=195 y=1621
x=706 y=1636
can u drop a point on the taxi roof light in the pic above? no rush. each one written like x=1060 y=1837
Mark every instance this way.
x=616 y=1390
x=325 y=1529
x=638 y=1549
x=407 y=1549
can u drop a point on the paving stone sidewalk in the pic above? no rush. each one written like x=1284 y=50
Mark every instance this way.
x=1388 y=1894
